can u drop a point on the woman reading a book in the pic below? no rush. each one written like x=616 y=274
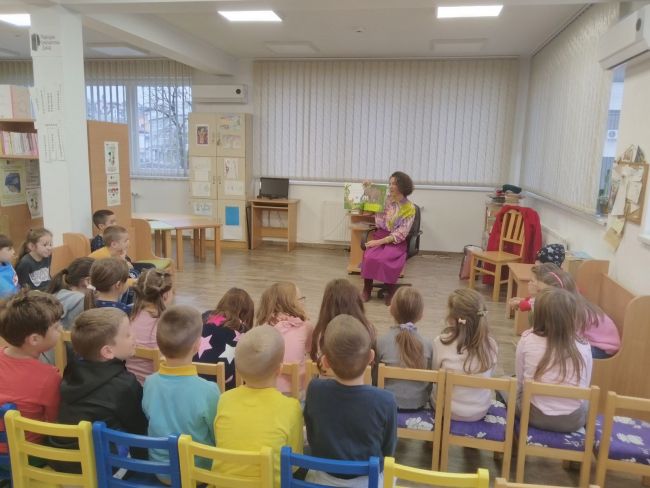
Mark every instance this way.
x=385 y=254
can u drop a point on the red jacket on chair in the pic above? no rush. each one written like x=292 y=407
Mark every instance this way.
x=532 y=237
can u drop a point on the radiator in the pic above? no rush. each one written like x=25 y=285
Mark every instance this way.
x=335 y=222
x=551 y=236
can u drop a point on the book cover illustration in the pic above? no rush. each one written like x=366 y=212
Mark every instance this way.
x=367 y=198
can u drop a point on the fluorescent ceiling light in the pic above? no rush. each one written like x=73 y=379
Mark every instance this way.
x=469 y=11
x=20 y=20
x=250 y=15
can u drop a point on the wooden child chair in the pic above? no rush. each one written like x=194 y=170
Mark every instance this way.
x=393 y=470
x=292 y=370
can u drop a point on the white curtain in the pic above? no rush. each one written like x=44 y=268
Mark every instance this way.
x=442 y=121
x=567 y=113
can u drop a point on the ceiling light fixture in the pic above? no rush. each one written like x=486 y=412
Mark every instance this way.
x=469 y=11
x=250 y=15
x=19 y=20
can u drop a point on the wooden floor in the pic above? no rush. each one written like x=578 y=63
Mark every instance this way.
x=201 y=284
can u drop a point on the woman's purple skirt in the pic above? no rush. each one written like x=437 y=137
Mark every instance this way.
x=384 y=263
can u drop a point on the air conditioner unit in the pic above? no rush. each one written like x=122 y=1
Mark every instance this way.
x=612 y=134
x=219 y=93
x=627 y=41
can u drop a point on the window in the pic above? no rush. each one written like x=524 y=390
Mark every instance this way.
x=154 y=98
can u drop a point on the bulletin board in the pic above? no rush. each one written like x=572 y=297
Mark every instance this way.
x=635 y=188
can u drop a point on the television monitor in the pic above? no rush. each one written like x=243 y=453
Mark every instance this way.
x=274 y=187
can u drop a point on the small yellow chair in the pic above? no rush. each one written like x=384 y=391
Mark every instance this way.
x=60 y=352
x=512 y=232
x=217 y=370
x=530 y=446
x=504 y=447
x=312 y=371
x=501 y=483
x=26 y=476
x=292 y=370
x=191 y=474
x=424 y=375
x=393 y=470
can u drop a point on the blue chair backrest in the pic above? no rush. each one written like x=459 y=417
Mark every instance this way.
x=111 y=451
x=288 y=459
x=5 y=464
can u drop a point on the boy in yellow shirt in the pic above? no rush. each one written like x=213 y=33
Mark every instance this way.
x=256 y=414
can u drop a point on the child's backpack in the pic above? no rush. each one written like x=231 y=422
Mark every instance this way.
x=463 y=274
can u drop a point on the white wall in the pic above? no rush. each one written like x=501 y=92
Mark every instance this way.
x=630 y=264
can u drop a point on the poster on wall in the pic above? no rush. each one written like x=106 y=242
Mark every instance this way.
x=233 y=229
x=34 y=204
x=202 y=135
x=231 y=141
x=230 y=169
x=233 y=188
x=12 y=176
x=32 y=174
x=111 y=157
x=202 y=208
x=112 y=190
x=230 y=122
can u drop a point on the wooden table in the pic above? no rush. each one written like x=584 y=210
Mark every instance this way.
x=359 y=225
x=179 y=223
x=519 y=275
x=259 y=230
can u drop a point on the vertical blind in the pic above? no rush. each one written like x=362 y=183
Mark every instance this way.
x=16 y=72
x=567 y=113
x=442 y=121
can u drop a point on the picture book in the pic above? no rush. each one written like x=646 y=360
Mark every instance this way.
x=366 y=198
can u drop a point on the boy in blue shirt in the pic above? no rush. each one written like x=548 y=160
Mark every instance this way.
x=176 y=400
x=8 y=277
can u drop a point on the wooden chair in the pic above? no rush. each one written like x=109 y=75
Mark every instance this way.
x=428 y=376
x=512 y=234
x=292 y=370
x=312 y=371
x=20 y=449
x=150 y=354
x=531 y=445
x=216 y=370
x=61 y=257
x=61 y=352
x=78 y=244
x=142 y=246
x=497 y=437
x=501 y=483
x=5 y=463
x=618 y=437
x=261 y=460
x=393 y=470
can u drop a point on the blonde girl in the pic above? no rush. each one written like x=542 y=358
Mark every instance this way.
x=108 y=281
x=281 y=307
x=466 y=346
x=222 y=327
x=404 y=347
x=34 y=260
x=552 y=352
x=153 y=294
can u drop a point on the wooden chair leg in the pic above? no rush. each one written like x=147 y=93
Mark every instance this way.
x=472 y=272
x=497 y=283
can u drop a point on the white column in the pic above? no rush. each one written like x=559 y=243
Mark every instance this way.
x=57 y=54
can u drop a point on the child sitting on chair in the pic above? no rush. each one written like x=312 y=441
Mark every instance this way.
x=256 y=414
x=101 y=219
x=108 y=281
x=8 y=277
x=346 y=419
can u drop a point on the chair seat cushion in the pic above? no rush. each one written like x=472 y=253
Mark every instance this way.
x=162 y=263
x=630 y=439
x=573 y=441
x=491 y=427
x=417 y=420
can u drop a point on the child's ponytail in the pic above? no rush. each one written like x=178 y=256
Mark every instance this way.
x=406 y=308
x=411 y=349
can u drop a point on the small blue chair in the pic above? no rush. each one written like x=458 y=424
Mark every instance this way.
x=111 y=454
x=368 y=468
x=5 y=463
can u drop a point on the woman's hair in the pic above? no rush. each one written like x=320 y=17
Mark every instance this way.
x=406 y=308
x=340 y=297
x=32 y=237
x=71 y=276
x=279 y=298
x=554 y=317
x=238 y=309
x=404 y=183
x=104 y=273
x=152 y=284
x=468 y=328
x=549 y=274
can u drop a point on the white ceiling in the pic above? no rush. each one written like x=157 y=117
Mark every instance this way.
x=390 y=28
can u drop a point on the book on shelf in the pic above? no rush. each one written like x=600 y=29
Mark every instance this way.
x=366 y=198
x=18 y=144
x=15 y=102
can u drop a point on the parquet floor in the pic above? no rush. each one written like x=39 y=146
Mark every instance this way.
x=201 y=284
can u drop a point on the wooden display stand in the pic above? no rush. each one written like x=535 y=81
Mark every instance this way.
x=259 y=231
x=359 y=225
x=19 y=220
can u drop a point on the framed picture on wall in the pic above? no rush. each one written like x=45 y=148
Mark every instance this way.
x=202 y=135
